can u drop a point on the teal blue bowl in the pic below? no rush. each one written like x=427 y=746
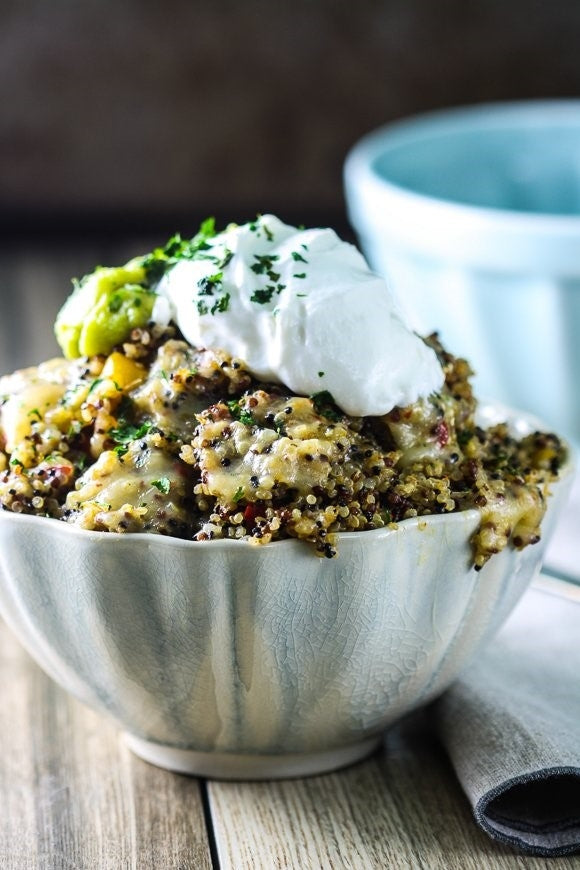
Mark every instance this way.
x=473 y=215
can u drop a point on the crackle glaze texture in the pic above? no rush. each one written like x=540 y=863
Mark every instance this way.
x=227 y=648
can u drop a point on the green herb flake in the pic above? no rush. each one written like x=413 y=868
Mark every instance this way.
x=226 y=258
x=299 y=275
x=95 y=384
x=209 y=283
x=264 y=264
x=325 y=406
x=16 y=462
x=222 y=304
x=74 y=429
x=239 y=494
x=34 y=411
x=157 y=263
x=125 y=433
x=240 y=413
x=298 y=258
x=320 y=374
x=163 y=485
x=81 y=462
x=263 y=296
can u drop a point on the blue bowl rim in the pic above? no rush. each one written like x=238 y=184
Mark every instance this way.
x=359 y=170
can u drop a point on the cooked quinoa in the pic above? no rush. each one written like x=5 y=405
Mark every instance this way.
x=162 y=437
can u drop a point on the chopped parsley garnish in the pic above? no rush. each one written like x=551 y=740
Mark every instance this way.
x=239 y=413
x=320 y=374
x=163 y=485
x=222 y=304
x=264 y=264
x=17 y=462
x=299 y=275
x=81 y=462
x=298 y=258
x=239 y=494
x=95 y=384
x=74 y=429
x=257 y=225
x=34 y=411
x=226 y=258
x=325 y=406
x=125 y=433
x=263 y=296
x=69 y=394
x=209 y=283
x=160 y=260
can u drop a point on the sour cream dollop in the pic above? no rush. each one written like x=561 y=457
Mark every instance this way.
x=300 y=307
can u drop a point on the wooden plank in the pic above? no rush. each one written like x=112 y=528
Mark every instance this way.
x=401 y=809
x=73 y=796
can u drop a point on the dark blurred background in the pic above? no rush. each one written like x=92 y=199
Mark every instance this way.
x=122 y=122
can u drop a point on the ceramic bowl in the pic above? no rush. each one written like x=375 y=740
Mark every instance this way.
x=229 y=660
x=473 y=215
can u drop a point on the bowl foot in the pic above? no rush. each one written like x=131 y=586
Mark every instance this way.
x=228 y=765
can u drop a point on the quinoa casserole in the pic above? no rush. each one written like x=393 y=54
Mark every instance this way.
x=156 y=435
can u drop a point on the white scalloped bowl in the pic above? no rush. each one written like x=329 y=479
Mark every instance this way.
x=230 y=660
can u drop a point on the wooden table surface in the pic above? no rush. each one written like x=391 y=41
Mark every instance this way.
x=73 y=796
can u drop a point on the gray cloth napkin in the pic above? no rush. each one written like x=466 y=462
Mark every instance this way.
x=511 y=726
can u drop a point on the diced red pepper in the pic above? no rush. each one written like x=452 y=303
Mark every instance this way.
x=442 y=433
x=250 y=514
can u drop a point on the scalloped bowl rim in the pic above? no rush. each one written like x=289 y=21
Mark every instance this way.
x=218 y=543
